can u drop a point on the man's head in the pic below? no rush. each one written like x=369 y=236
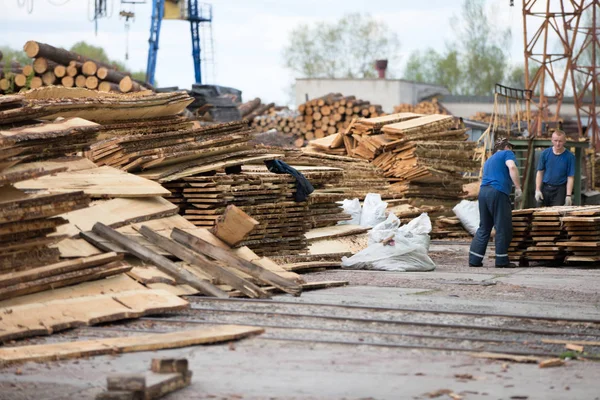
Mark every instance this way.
x=558 y=140
x=502 y=144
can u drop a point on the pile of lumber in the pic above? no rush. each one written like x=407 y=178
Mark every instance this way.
x=168 y=156
x=266 y=197
x=55 y=66
x=556 y=234
x=358 y=177
x=424 y=107
x=448 y=228
x=333 y=112
x=54 y=101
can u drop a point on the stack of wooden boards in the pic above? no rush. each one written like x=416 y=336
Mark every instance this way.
x=424 y=107
x=448 y=228
x=333 y=112
x=55 y=66
x=55 y=101
x=168 y=156
x=556 y=235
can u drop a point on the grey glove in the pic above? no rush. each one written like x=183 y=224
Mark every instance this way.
x=518 y=195
x=539 y=196
x=568 y=201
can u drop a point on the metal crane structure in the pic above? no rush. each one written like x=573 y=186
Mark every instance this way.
x=561 y=50
x=191 y=10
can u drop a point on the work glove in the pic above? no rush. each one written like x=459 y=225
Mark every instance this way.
x=518 y=195
x=568 y=201
x=539 y=196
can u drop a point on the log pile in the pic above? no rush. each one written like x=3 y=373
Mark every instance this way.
x=424 y=107
x=556 y=234
x=55 y=66
x=332 y=113
x=286 y=121
x=14 y=76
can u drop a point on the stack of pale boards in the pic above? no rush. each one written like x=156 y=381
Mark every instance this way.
x=556 y=234
x=133 y=288
x=411 y=150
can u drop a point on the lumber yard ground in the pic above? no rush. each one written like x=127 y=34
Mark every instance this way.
x=376 y=339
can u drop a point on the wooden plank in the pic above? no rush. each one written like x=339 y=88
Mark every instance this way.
x=116 y=213
x=233 y=226
x=203 y=247
x=152 y=342
x=210 y=267
x=334 y=232
x=44 y=318
x=103 y=182
x=161 y=262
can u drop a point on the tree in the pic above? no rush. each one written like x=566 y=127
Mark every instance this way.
x=432 y=67
x=347 y=48
x=473 y=63
x=9 y=55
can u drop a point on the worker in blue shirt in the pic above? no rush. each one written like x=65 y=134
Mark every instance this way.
x=499 y=173
x=555 y=174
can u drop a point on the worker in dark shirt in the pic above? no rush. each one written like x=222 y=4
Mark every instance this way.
x=499 y=173
x=555 y=174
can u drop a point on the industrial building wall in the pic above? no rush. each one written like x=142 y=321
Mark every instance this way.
x=377 y=91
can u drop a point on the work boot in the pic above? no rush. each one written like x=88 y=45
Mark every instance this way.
x=475 y=266
x=509 y=265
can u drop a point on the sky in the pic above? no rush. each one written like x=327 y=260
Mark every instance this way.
x=249 y=36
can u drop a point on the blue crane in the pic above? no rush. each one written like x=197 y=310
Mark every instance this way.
x=194 y=13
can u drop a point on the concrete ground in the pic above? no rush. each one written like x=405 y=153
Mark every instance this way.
x=264 y=367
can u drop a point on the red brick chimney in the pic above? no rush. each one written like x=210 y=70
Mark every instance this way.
x=381 y=66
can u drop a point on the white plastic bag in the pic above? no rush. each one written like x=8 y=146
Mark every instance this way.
x=373 y=211
x=468 y=214
x=352 y=208
x=407 y=252
x=384 y=230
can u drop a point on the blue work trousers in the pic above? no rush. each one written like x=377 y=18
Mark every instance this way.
x=494 y=211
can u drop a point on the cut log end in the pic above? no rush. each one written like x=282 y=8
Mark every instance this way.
x=67 y=81
x=91 y=82
x=31 y=48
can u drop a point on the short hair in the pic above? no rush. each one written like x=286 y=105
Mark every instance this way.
x=559 y=133
x=501 y=144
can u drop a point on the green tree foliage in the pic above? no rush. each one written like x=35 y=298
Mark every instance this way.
x=473 y=63
x=347 y=48
x=9 y=55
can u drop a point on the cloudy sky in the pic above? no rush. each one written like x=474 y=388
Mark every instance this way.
x=248 y=35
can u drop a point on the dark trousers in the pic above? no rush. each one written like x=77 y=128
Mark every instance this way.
x=494 y=211
x=554 y=195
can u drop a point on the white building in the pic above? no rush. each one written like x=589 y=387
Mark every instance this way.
x=386 y=92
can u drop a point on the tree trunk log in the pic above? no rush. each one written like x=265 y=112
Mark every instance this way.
x=110 y=75
x=35 y=49
x=20 y=80
x=108 y=87
x=36 y=82
x=60 y=71
x=89 y=68
x=67 y=81
x=49 y=78
x=80 y=81
x=41 y=65
x=28 y=70
x=127 y=85
x=91 y=82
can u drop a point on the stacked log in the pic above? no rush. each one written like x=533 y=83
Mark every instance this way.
x=333 y=113
x=14 y=76
x=424 y=107
x=52 y=66
x=286 y=121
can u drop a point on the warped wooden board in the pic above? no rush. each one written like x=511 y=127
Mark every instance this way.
x=158 y=173
x=71 y=163
x=116 y=213
x=74 y=248
x=110 y=285
x=177 y=290
x=11 y=176
x=102 y=182
x=153 y=342
x=334 y=231
x=48 y=130
x=149 y=275
x=48 y=317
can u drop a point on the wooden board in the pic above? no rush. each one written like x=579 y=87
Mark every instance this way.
x=334 y=231
x=103 y=182
x=116 y=213
x=153 y=342
x=45 y=318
